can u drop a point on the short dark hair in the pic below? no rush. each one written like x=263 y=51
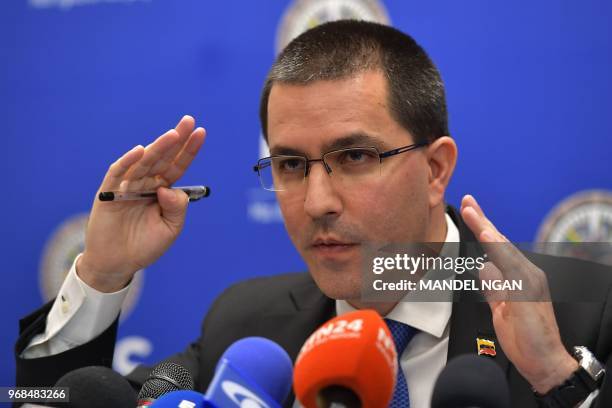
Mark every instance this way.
x=341 y=49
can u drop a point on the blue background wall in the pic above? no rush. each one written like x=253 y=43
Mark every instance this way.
x=528 y=92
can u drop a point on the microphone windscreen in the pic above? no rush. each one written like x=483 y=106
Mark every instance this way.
x=352 y=358
x=184 y=398
x=471 y=381
x=164 y=378
x=263 y=361
x=97 y=387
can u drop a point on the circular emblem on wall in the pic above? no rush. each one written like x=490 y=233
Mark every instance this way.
x=60 y=251
x=303 y=15
x=584 y=217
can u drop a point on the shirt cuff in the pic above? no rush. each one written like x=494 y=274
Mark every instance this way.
x=79 y=314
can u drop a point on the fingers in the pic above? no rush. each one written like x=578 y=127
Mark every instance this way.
x=511 y=262
x=469 y=201
x=173 y=204
x=161 y=163
x=503 y=253
x=184 y=129
x=154 y=152
x=185 y=156
x=475 y=218
x=491 y=273
x=143 y=184
x=118 y=169
x=481 y=226
x=185 y=126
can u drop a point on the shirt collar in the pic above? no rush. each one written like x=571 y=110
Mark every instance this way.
x=429 y=317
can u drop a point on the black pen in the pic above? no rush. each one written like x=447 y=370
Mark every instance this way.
x=194 y=193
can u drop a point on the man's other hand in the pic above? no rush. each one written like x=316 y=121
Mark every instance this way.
x=527 y=330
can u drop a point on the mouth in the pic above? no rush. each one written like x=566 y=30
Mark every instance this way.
x=328 y=247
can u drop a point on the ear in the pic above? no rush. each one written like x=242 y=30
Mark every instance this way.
x=441 y=158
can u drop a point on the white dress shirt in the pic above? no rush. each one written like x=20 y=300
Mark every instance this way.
x=79 y=314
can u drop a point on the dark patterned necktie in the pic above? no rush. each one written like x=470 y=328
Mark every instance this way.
x=402 y=334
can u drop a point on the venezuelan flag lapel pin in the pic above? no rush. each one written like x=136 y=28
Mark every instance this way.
x=486 y=347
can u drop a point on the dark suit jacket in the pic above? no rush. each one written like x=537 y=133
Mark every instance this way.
x=288 y=308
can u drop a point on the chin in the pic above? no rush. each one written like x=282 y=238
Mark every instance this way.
x=337 y=285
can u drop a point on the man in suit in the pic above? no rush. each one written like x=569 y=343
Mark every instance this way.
x=355 y=117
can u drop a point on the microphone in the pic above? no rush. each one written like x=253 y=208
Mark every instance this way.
x=470 y=381
x=96 y=387
x=253 y=372
x=164 y=378
x=350 y=361
x=181 y=399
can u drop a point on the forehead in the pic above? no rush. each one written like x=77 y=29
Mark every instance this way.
x=310 y=117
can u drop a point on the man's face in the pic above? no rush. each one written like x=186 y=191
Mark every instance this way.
x=328 y=223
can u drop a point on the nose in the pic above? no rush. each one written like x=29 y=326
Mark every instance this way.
x=322 y=198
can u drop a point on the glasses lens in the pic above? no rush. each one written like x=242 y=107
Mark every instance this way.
x=354 y=164
x=281 y=173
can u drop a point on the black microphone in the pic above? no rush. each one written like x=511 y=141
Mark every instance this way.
x=96 y=387
x=166 y=377
x=470 y=381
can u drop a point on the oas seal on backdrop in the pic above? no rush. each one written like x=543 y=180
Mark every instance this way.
x=303 y=15
x=67 y=241
x=579 y=226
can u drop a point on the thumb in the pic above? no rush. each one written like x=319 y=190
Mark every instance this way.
x=173 y=204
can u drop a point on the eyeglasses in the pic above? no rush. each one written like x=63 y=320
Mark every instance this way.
x=348 y=166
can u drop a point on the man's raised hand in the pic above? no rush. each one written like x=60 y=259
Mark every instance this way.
x=125 y=236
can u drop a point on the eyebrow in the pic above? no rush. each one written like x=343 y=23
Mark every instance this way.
x=356 y=139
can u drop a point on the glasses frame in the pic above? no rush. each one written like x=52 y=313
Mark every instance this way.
x=403 y=149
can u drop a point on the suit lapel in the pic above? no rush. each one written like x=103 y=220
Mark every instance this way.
x=291 y=328
x=471 y=316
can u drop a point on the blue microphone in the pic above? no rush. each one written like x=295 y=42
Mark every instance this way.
x=254 y=372
x=181 y=399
